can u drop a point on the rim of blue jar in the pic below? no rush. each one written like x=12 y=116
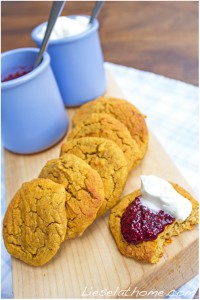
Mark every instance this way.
x=29 y=76
x=93 y=27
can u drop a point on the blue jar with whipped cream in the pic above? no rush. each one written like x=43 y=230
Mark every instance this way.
x=76 y=58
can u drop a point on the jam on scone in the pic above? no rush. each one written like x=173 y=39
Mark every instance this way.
x=145 y=220
x=139 y=223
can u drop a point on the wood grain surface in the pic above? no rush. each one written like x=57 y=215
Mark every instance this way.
x=160 y=36
x=93 y=260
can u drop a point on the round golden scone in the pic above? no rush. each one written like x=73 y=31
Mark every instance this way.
x=121 y=110
x=35 y=222
x=107 y=159
x=150 y=251
x=105 y=126
x=84 y=191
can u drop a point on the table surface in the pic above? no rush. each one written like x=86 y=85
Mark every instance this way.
x=161 y=37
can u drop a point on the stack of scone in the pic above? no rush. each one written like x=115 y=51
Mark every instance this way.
x=109 y=138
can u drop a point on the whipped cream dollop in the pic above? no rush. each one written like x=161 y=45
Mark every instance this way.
x=66 y=27
x=158 y=194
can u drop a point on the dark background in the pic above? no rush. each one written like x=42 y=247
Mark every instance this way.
x=161 y=37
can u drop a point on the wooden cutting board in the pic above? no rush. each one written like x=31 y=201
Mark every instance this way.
x=92 y=262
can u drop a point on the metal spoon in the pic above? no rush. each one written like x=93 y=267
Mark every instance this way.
x=55 y=12
x=96 y=10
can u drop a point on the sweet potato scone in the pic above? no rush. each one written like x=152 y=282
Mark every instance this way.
x=121 y=110
x=83 y=188
x=35 y=222
x=105 y=126
x=107 y=159
x=141 y=232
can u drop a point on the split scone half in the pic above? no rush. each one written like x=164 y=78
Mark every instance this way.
x=147 y=250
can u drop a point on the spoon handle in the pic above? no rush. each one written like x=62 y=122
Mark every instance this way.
x=96 y=10
x=56 y=10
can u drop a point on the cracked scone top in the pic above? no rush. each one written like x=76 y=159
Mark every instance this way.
x=149 y=251
x=35 y=222
x=107 y=159
x=84 y=191
x=105 y=126
x=121 y=110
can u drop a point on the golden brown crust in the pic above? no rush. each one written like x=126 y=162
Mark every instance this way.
x=149 y=251
x=123 y=111
x=35 y=222
x=84 y=191
x=107 y=159
x=105 y=126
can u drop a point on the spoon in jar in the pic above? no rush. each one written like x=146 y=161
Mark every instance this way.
x=96 y=10
x=55 y=12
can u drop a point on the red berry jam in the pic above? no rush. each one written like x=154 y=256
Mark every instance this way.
x=23 y=71
x=139 y=223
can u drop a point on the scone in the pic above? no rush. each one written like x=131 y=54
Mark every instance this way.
x=105 y=126
x=35 y=222
x=84 y=191
x=122 y=224
x=123 y=111
x=108 y=160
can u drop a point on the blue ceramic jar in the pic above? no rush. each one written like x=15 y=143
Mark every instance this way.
x=33 y=113
x=77 y=63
